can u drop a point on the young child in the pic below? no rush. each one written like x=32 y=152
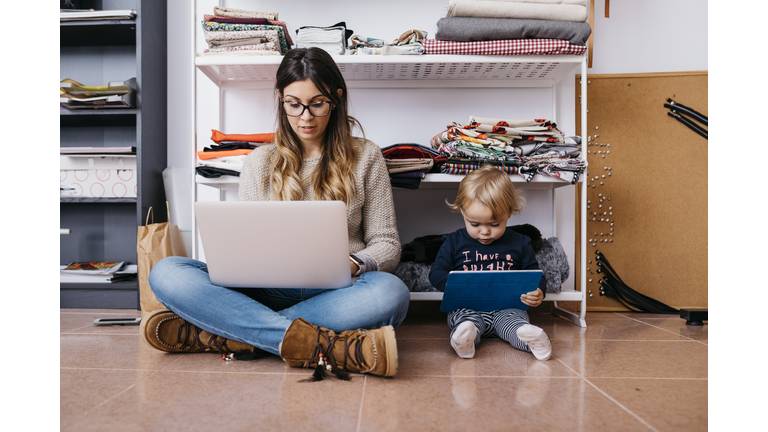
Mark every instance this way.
x=487 y=199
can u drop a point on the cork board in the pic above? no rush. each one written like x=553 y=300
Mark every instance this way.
x=648 y=171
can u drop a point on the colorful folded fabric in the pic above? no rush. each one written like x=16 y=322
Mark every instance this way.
x=408 y=43
x=218 y=137
x=233 y=163
x=404 y=165
x=268 y=47
x=470 y=29
x=236 y=42
x=566 y=169
x=417 y=174
x=284 y=42
x=503 y=47
x=213 y=172
x=410 y=151
x=242 y=13
x=270 y=35
x=206 y=155
x=231 y=145
x=461 y=168
x=519 y=129
x=219 y=19
x=214 y=18
x=572 y=11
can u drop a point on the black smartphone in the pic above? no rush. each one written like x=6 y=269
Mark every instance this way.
x=116 y=321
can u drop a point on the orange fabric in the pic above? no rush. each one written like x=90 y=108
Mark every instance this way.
x=204 y=155
x=218 y=137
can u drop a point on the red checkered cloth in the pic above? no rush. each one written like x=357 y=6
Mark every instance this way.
x=503 y=47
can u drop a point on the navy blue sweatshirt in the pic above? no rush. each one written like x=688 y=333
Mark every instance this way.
x=459 y=251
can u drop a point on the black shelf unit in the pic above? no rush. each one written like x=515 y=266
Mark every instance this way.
x=94 y=53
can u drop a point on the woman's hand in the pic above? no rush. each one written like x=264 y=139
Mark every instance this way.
x=533 y=298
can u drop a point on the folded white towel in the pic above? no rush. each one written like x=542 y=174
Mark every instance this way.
x=329 y=39
x=320 y=35
x=517 y=9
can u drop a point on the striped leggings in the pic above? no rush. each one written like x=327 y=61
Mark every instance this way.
x=501 y=323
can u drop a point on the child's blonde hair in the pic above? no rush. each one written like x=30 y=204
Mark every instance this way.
x=492 y=188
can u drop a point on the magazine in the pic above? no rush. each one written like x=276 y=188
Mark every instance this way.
x=126 y=273
x=93 y=267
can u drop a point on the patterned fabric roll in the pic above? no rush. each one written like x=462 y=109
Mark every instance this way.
x=466 y=168
x=503 y=47
x=241 y=13
x=269 y=46
x=283 y=38
x=211 y=18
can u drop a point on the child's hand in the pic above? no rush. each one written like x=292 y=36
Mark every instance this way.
x=533 y=298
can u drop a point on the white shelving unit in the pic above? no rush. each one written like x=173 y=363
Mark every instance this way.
x=426 y=71
x=402 y=71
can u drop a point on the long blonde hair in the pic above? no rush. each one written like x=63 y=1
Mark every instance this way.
x=334 y=177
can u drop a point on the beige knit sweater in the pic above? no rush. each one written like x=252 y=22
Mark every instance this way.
x=370 y=218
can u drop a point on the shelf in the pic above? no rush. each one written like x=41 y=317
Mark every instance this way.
x=96 y=52
x=98 y=117
x=131 y=284
x=431 y=181
x=97 y=33
x=568 y=295
x=98 y=112
x=89 y=200
x=118 y=295
x=402 y=71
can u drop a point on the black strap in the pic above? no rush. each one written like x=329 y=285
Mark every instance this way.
x=612 y=286
x=691 y=125
x=690 y=111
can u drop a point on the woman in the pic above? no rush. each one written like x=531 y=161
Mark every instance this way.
x=314 y=157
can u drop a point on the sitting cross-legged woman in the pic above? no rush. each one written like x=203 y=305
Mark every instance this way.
x=314 y=157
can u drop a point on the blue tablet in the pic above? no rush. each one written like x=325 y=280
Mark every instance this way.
x=488 y=290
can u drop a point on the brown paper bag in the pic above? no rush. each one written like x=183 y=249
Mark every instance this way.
x=154 y=242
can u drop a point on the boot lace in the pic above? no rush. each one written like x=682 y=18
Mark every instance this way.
x=185 y=329
x=355 y=356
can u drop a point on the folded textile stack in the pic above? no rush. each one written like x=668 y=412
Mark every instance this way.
x=332 y=39
x=116 y=94
x=512 y=27
x=525 y=147
x=226 y=157
x=408 y=43
x=409 y=163
x=238 y=31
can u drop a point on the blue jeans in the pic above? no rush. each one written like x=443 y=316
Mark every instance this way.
x=260 y=316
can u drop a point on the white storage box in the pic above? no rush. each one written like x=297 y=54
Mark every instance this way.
x=98 y=176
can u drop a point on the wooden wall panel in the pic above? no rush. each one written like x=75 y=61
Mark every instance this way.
x=656 y=193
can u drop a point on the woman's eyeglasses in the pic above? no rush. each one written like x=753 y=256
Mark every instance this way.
x=317 y=109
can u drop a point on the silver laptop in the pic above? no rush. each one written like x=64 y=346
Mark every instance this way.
x=275 y=244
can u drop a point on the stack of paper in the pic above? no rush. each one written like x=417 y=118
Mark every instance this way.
x=96 y=151
x=98 y=272
x=90 y=15
x=116 y=94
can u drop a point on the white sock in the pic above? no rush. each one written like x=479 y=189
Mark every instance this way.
x=463 y=339
x=537 y=340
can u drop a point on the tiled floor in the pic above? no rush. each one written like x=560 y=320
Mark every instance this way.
x=624 y=372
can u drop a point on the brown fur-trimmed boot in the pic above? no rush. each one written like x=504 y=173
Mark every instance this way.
x=359 y=351
x=166 y=331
